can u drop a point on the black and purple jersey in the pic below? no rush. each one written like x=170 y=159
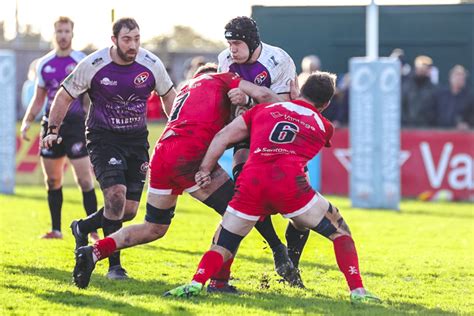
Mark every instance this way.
x=51 y=71
x=118 y=93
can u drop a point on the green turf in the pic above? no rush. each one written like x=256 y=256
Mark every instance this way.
x=419 y=261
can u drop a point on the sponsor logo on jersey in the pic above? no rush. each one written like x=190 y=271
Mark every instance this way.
x=260 y=78
x=107 y=82
x=141 y=78
x=276 y=114
x=274 y=151
x=49 y=70
x=70 y=68
x=144 y=167
x=114 y=161
x=97 y=61
x=274 y=60
x=150 y=58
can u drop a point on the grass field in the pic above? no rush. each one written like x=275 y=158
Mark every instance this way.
x=419 y=261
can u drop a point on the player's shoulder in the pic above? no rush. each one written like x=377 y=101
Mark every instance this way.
x=274 y=54
x=77 y=55
x=97 y=59
x=147 y=58
x=44 y=60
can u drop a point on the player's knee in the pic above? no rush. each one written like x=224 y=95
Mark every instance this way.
x=219 y=199
x=325 y=228
x=115 y=202
x=52 y=183
x=228 y=240
x=330 y=229
x=85 y=183
x=159 y=216
x=129 y=215
x=155 y=231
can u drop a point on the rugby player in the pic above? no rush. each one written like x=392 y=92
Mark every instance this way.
x=201 y=109
x=271 y=67
x=284 y=137
x=51 y=70
x=119 y=80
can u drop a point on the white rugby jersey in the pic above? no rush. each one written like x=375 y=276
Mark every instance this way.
x=273 y=69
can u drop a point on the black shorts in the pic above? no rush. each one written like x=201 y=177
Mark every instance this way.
x=73 y=144
x=116 y=163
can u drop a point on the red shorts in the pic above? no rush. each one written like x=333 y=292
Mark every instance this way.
x=174 y=163
x=271 y=189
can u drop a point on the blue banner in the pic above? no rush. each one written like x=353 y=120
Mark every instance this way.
x=374 y=109
x=7 y=121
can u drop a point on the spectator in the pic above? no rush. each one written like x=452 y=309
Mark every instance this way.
x=405 y=66
x=338 y=112
x=309 y=64
x=418 y=96
x=454 y=103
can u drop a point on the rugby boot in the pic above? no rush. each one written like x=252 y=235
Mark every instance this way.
x=84 y=266
x=285 y=268
x=117 y=273
x=218 y=286
x=186 y=291
x=54 y=234
x=80 y=238
x=362 y=296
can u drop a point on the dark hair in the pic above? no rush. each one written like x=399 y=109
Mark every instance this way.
x=244 y=29
x=319 y=88
x=128 y=23
x=206 y=68
x=64 y=19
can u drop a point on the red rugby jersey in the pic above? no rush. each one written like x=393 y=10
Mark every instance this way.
x=287 y=132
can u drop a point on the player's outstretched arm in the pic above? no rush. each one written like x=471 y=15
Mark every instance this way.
x=58 y=111
x=258 y=93
x=234 y=132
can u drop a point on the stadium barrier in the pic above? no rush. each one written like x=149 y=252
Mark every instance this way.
x=433 y=163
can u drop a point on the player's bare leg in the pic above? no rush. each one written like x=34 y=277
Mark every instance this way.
x=160 y=211
x=326 y=220
x=84 y=178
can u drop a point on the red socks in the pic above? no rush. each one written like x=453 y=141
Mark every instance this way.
x=346 y=257
x=210 y=264
x=222 y=276
x=104 y=248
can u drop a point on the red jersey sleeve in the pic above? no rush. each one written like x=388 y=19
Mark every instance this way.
x=230 y=79
x=329 y=132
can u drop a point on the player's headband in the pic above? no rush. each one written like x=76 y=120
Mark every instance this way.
x=249 y=37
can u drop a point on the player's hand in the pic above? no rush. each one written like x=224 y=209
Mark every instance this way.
x=238 y=97
x=294 y=89
x=203 y=179
x=25 y=126
x=50 y=140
